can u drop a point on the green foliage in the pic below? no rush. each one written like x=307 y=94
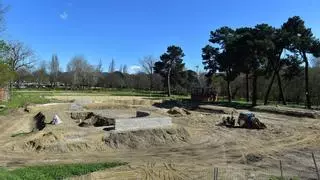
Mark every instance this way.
x=5 y=74
x=52 y=172
x=21 y=99
x=170 y=66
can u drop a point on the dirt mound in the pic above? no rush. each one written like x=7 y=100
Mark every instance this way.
x=81 y=115
x=217 y=109
x=178 y=111
x=98 y=121
x=147 y=138
x=42 y=141
x=297 y=112
x=87 y=119
x=51 y=142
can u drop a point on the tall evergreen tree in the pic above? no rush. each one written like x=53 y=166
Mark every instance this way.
x=170 y=65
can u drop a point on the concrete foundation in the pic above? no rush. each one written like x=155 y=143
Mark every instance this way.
x=130 y=124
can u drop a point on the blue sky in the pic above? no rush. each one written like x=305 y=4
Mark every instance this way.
x=127 y=30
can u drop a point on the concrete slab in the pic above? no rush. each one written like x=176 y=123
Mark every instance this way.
x=130 y=124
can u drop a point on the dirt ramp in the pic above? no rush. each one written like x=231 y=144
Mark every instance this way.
x=147 y=138
x=57 y=143
x=41 y=142
x=296 y=112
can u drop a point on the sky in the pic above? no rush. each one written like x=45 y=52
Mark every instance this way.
x=128 y=30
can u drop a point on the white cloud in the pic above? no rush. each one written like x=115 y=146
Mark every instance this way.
x=64 y=15
x=134 y=69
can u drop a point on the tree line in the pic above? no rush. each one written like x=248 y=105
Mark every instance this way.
x=252 y=63
x=262 y=51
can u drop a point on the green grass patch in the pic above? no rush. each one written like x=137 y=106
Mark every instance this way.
x=53 y=172
x=20 y=99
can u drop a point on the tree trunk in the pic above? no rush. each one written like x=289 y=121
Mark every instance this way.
x=151 y=81
x=306 y=74
x=281 y=95
x=254 y=89
x=229 y=91
x=266 y=97
x=168 y=83
x=247 y=87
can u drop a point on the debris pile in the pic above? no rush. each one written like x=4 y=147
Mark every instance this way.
x=249 y=121
x=147 y=138
x=87 y=119
x=56 y=120
x=245 y=120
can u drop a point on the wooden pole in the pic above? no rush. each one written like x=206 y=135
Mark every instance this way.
x=281 y=170
x=215 y=174
x=316 y=166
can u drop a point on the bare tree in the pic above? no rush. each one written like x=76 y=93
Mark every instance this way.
x=19 y=56
x=83 y=73
x=125 y=69
x=99 y=67
x=112 y=66
x=147 y=64
x=41 y=74
x=54 y=70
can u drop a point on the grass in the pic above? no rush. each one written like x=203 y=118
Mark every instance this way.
x=53 y=172
x=20 y=99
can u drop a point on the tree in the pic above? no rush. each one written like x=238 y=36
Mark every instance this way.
x=82 y=72
x=170 y=64
x=41 y=74
x=6 y=74
x=19 y=56
x=54 y=70
x=112 y=66
x=125 y=69
x=221 y=58
x=303 y=42
x=147 y=64
x=276 y=41
x=99 y=67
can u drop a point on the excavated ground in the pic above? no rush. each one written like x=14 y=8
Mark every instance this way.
x=188 y=150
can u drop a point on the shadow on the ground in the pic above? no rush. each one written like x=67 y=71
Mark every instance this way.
x=192 y=105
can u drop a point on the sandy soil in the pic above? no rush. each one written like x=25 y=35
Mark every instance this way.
x=238 y=153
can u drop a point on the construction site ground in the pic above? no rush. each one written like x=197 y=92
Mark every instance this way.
x=237 y=153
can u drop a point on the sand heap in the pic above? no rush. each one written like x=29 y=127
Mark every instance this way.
x=147 y=138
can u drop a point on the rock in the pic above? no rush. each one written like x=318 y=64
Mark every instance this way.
x=142 y=114
x=178 y=111
x=252 y=158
